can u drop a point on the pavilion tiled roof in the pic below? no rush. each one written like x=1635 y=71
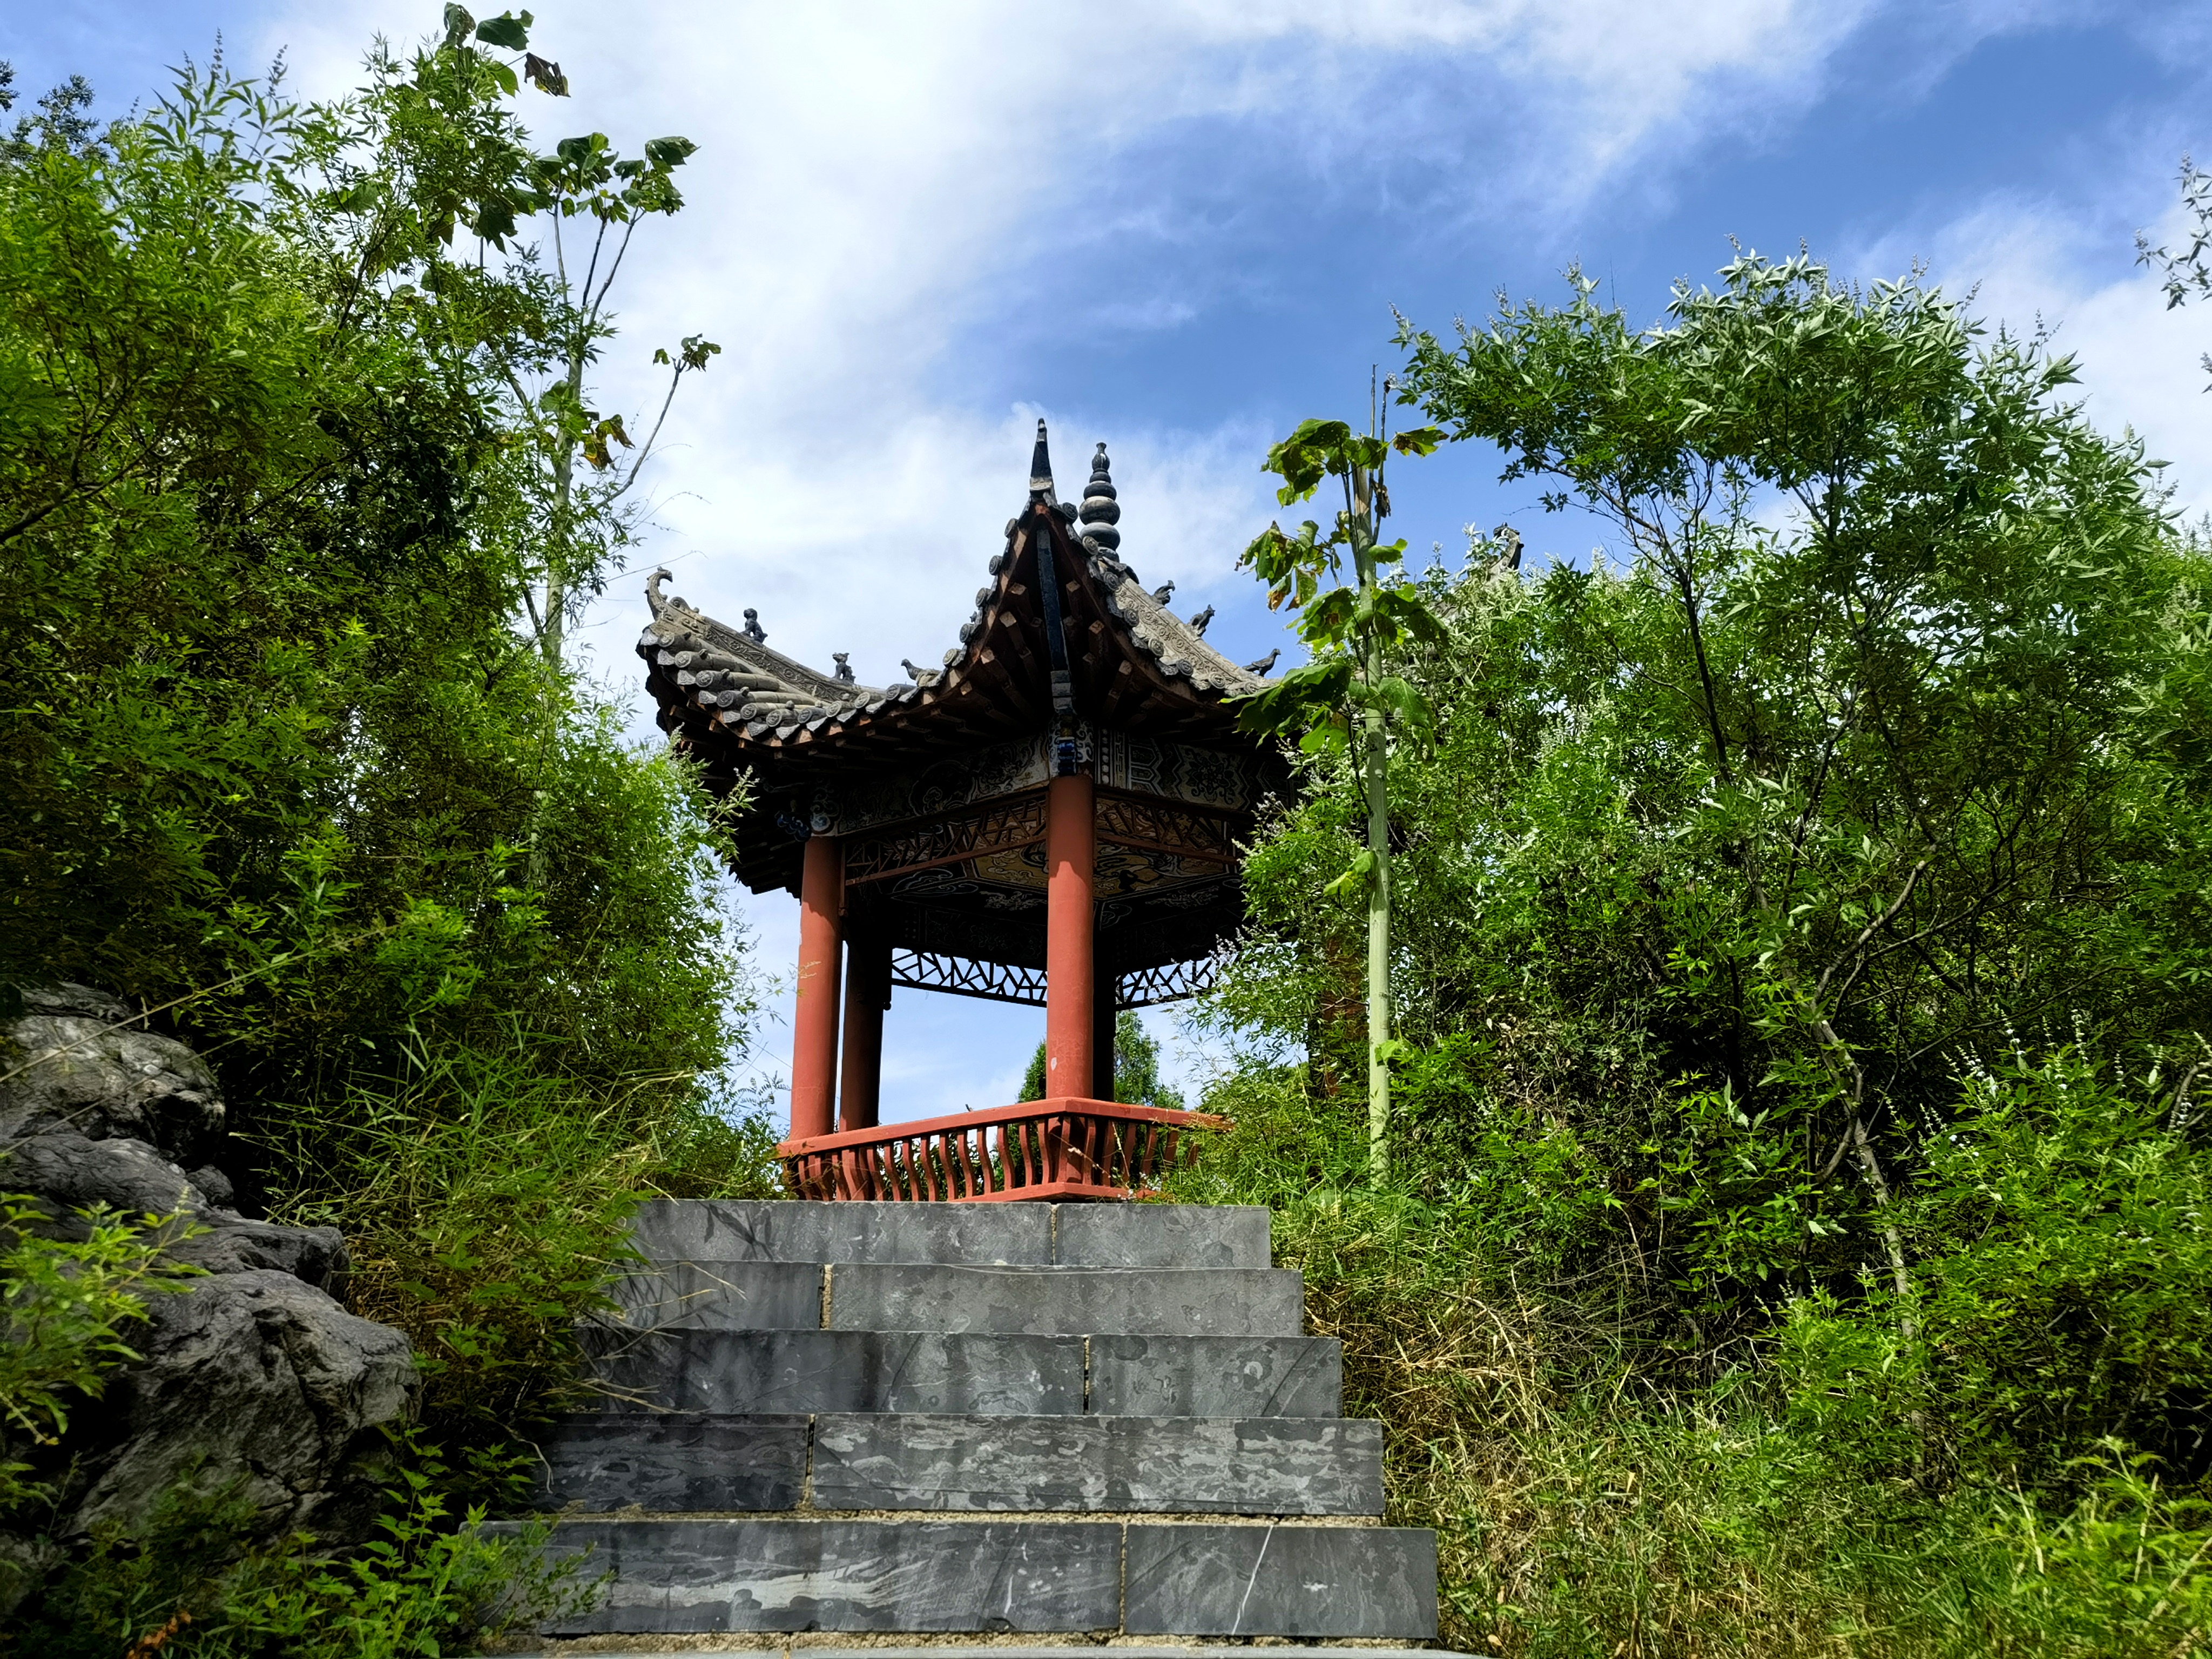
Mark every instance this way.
x=705 y=673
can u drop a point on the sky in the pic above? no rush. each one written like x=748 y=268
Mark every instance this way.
x=1181 y=228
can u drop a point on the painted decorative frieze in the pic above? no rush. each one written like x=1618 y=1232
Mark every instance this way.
x=1145 y=766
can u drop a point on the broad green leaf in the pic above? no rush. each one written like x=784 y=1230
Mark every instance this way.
x=1359 y=875
x=545 y=75
x=507 y=31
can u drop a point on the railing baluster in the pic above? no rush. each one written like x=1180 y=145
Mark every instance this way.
x=1102 y=1148
x=1097 y=1150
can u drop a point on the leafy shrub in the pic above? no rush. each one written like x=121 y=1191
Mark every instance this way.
x=2061 y=1298
x=66 y=1309
x=485 y=1197
x=432 y=1583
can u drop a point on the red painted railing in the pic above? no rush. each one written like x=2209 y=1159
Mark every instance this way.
x=1041 y=1149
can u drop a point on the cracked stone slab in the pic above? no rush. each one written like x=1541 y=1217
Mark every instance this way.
x=1217 y=1376
x=1068 y=1301
x=608 y=1461
x=1161 y=1235
x=774 y=1575
x=1259 y=1466
x=1199 y=1580
x=803 y=1230
x=724 y=1296
x=705 y=1370
x=1121 y=1650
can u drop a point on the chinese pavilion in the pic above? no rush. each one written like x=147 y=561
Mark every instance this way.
x=1050 y=817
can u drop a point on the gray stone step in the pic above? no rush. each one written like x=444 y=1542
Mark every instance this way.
x=753 y=1295
x=1217 y=1376
x=975 y=1372
x=1106 y=1465
x=673 y=1464
x=691 y=1370
x=1139 y=1577
x=1059 y=1651
x=953 y=1235
x=769 y=1296
x=690 y=1462
x=795 y=1575
x=801 y=1230
x=1067 y=1301
x=1200 y=1580
x=1160 y=1236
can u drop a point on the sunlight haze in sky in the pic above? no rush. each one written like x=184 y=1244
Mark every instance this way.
x=1181 y=228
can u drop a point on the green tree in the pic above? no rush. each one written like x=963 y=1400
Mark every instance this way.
x=2187 y=274
x=1348 y=698
x=1136 y=1066
x=431 y=150
x=67 y=1310
x=1848 y=750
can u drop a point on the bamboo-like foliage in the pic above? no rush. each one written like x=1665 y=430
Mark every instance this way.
x=1349 y=697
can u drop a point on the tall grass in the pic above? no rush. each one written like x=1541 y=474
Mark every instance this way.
x=484 y=1195
x=1595 y=1491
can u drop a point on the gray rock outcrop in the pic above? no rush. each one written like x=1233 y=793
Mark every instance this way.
x=255 y=1378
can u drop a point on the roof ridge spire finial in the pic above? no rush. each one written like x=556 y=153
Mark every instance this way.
x=1040 y=489
x=1101 y=510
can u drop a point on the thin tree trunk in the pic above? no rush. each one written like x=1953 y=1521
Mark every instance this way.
x=558 y=564
x=1374 y=764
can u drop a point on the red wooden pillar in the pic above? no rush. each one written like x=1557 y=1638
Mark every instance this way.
x=1102 y=1013
x=867 y=993
x=1071 y=846
x=814 y=1022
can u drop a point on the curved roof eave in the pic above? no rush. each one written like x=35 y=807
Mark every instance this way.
x=758 y=698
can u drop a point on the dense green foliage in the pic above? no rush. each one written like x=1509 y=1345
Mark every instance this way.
x=1801 y=937
x=283 y=759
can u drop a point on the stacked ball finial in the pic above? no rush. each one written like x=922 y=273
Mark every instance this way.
x=1100 y=510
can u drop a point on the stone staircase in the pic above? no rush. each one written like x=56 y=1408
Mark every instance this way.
x=1096 y=1420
